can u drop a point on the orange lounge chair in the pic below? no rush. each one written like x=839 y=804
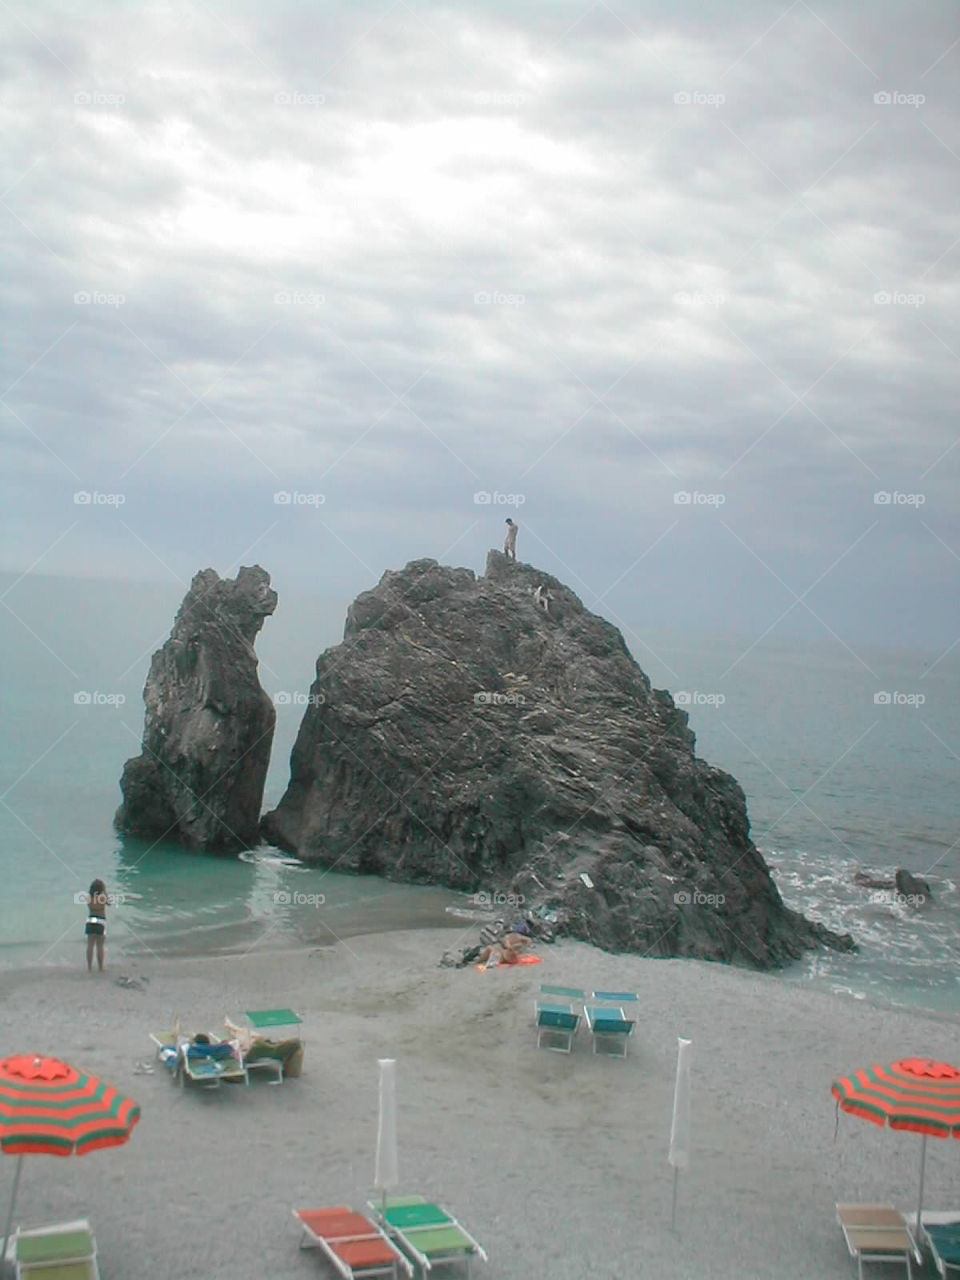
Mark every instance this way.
x=353 y=1244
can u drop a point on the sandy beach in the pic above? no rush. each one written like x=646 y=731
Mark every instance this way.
x=557 y=1164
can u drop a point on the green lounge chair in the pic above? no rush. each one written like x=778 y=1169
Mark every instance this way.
x=427 y=1233
x=66 y=1251
x=940 y=1230
x=610 y=1025
x=557 y=1021
x=875 y=1233
x=617 y=997
x=565 y=993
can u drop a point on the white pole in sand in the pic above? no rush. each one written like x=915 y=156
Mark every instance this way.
x=679 y=1154
x=923 y=1169
x=13 y=1202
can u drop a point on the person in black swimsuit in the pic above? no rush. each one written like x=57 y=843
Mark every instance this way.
x=96 y=927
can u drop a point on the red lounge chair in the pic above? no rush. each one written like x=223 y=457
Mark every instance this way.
x=355 y=1245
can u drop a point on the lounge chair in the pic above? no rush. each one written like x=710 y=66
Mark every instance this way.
x=431 y=1236
x=875 y=1233
x=557 y=1021
x=260 y=1054
x=564 y=993
x=617 y=997
x=610 y=1025
x=353 y=1244
x=66 y=1251
x=941 y=1232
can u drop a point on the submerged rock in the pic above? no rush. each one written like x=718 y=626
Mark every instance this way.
x=463 y=735
x=208 y=726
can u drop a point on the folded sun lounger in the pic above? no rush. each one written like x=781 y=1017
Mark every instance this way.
x=353 y=1244
x=428 y=1234
x=557 y=1021
x=940 y=1230
x=611 y=1026
x=66 y=1251
x=875 y=1233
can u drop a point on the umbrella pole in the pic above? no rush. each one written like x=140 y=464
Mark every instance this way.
x=923 y=1169
x=673 y=1211
x=13 y=1203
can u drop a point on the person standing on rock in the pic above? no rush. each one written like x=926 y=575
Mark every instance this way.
x=96 y=927
x=510 y=541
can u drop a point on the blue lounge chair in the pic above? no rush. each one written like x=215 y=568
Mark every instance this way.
x=610 y=1025
x=557 y=1021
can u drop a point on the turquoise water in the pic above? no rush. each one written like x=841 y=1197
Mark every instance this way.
x=834 y=781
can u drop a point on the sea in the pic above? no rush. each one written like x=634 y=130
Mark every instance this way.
x=848 y=758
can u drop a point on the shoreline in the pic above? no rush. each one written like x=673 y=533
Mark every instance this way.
x=557 y=1163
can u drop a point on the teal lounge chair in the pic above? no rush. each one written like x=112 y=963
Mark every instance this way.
x=556 y=1021
x=66 y=1251
x=617 y=997
x=565 y=993
x=610 y=1025
x=426 y=1233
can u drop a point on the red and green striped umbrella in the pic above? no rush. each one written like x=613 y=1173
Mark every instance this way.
x=49 y=1108
x=916 y=1094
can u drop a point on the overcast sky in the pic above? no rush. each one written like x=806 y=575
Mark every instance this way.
x=383 y=258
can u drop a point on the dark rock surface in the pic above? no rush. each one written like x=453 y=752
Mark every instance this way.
x=208 y=726
x=460 y=735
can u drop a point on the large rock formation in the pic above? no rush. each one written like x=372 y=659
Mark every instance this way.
x=208 y=726
x=462 y=735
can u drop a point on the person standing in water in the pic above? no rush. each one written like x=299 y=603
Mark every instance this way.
x=510 y=541
x=97 y=902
